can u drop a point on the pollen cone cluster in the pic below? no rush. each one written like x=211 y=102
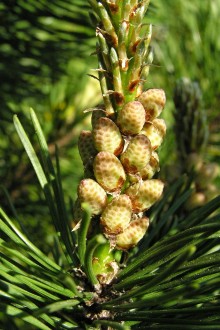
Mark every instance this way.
x=119 y=154
x=122 y=156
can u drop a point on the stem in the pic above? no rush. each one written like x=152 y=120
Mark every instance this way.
x=92 y=245
x=83 y=230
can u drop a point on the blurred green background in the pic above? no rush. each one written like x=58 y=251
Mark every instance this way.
x=46 y=57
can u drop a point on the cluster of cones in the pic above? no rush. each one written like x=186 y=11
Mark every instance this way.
x=120 y=159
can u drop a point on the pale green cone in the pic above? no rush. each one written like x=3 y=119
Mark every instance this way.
x=155 y=131
x=153 y=101
x=103 y=264
x=131 y=118
x=197 y=199
x=86 y=147
x=207 y=174
x=117 y=215
x=109 y=171
x=144 y=194
x=194 y=162
x=211 y=191
x=132 y=234
x=137 y=155
x=152 y=167
x=148 y=171
x=90 y=192
x=107 y=136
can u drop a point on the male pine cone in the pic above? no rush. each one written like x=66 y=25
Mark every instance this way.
x=122 y=158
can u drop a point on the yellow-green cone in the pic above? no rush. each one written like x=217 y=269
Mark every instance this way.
x=109 y=171
x=89 y=191
x=86 y=147
x=107 y=136
x=132 y=234
x=144 y=194
x=194 y=162
x=155 y=131
x=153 y=101
x=117 y=215
x=152 y=167
x=137 y=155
x=148 y=171
x=131 y=118
x=207 y=173
x=195 y=200
x=103 y=263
